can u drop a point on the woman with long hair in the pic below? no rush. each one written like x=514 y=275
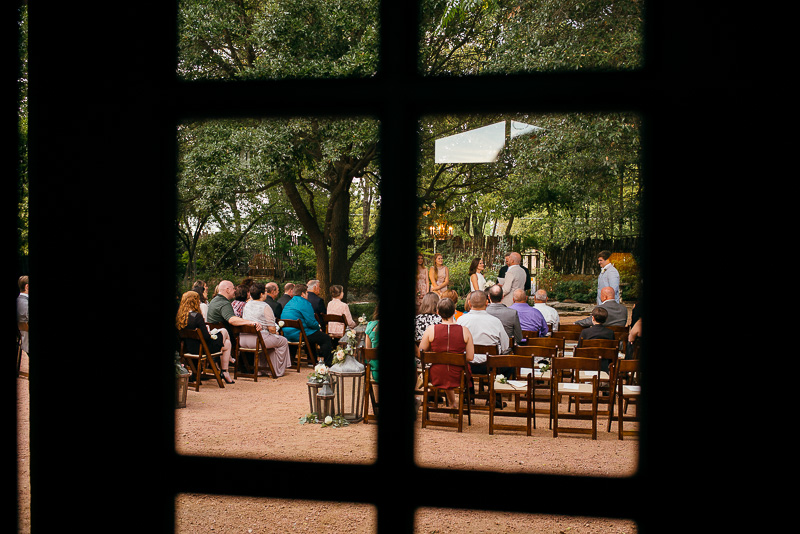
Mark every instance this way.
x=476 y=280
x=189 y=317
x=423 y=285
x=439 y=275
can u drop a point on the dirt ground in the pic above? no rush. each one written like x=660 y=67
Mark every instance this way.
x=261 y=420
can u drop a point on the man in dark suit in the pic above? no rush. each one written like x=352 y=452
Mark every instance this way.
x=617 y=312
x=508 y=316
x=288 y=293
x=272 y=295
x=313 y=297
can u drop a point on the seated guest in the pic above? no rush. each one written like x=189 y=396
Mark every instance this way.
x=452 y=295
x=508 y=316
x=426 y=315
x=189 y=317
x=529 y=317
x=272 y=296
x=337 y=307
x=617 y=312
x=258 y=310
x=202 y=289
x=313 y=297
x=550 y=313
x=598 y=330
x=220 y=309
x=371 y=341
x=240 y=296
x=299 y=309
x=288 y=288
x=448 y=336
x=486 y=329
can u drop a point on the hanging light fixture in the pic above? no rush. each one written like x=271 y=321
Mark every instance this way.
x=440 y=230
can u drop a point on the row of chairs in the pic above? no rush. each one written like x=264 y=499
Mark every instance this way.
x=203 y=364
x=580 y=378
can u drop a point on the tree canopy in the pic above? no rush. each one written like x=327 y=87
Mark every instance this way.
x=320 y=175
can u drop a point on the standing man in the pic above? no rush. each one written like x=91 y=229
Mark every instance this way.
x=609 y=276
x=22 y=310
x=514 y=279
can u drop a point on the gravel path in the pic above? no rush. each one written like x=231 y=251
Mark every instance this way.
x=261 y=420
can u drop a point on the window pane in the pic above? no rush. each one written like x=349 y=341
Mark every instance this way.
x=557 y=189
x=222 y=40
x=277 y=201
x=225 y=513
x=467 y=37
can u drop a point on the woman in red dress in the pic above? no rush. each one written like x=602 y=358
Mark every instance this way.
x=448 y=336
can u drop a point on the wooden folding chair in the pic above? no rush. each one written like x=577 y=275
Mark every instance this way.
x=570 y=328
x=200 y=362
x=540 y=386
x=367 y=355
x=561 y=386
x=21 y=327
x=302 y=347
x=481 y=391
x=430 y=394
x=528 y=334
x=249 y=370
x=607 y=343
x=331 y=318
x=517 y=388
x=559 y=343
x=607 y=357
x=628 y=391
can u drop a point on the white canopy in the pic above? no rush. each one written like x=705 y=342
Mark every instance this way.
x=481 y=145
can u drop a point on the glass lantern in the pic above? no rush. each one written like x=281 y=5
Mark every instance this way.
x=325 y=396
x=348 y=388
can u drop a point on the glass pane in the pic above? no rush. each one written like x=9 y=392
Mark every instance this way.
x=221 y=40
x=275 y=217
x=225 y=513
x=465 y=520
x=468 y=37
x=547 y=192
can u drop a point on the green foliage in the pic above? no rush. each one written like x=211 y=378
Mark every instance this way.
x=580 y=290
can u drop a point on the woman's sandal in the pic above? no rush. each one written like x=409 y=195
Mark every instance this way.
x=227 y=379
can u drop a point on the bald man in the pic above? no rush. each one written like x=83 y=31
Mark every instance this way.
x=514 y=279
x=617 y=313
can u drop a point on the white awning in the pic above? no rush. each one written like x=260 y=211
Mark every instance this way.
x=481 y=145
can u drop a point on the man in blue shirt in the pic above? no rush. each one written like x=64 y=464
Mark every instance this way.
x=299 y=308
x=608 y=277
x=529 y=317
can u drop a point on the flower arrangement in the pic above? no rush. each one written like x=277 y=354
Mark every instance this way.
x=501 y=379
x=336 y=421
x=362 y=319
x=320 y=373
x=489 y=283
x=544 y=366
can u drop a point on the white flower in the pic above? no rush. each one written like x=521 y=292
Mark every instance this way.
x=321 y=369
x=280 y=323
x=351 y=334
x=499 y=378
x=213 y=336
x=328 y=420
x=542 y=366
x=362 y=319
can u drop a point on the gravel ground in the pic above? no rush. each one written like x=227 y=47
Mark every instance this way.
x=261 y=420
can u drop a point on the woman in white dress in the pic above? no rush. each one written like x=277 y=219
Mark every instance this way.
x=258 y=310
x=476 y=279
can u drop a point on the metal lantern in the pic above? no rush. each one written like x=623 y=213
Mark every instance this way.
x=325 y=396
x=348 y=388
x=313 y=388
